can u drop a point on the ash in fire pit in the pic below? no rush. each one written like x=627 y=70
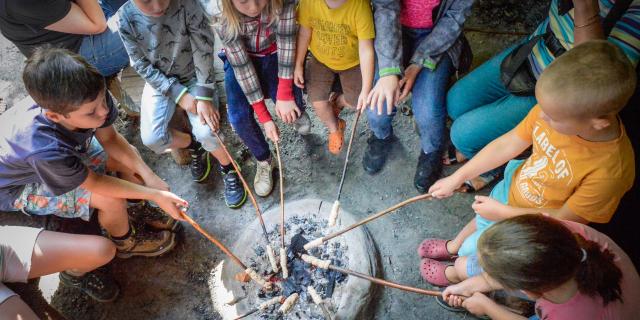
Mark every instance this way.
x=345 y=297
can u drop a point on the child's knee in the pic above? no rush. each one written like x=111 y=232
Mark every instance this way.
x=105 y=249
x=204 y=135
x=460 y=265
x=155 y=141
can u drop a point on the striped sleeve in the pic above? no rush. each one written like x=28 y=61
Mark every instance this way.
x=286 y=40
x=626 y=33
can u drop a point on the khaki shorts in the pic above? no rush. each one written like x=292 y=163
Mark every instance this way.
x=319 y=79
x=16 y=248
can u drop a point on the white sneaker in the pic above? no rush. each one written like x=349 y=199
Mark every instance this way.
x=263 y=181
x=303 y=124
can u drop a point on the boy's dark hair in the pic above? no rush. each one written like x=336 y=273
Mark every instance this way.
x=537 y=253
x=60 y=80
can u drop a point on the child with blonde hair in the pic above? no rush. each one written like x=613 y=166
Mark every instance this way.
x=581 y=165
x=259 y=41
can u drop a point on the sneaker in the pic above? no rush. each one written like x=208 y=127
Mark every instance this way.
x=263 y=182
x=428 y=171
x=234 y=193
x=375 y=156
x=303 y=124
x=153 y=217
x=145 y=244
x=97 y=284
x=336 y=138
x=200 y=164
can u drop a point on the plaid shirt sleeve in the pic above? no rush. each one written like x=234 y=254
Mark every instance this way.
x=244 y=70
x=286 y=40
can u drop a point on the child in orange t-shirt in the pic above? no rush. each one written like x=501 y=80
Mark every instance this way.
x=581 y=165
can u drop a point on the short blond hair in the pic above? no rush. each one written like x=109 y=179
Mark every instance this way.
x=230 y=19
x=591 y=80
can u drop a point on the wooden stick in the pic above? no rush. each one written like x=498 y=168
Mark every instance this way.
x=333 y=216
x=215 y=241
x=319 y=241
x=281 y=193
x=328 y=265
x=270 y=254
x=245 y=185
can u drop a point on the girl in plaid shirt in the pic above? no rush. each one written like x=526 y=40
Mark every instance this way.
x=259 y=42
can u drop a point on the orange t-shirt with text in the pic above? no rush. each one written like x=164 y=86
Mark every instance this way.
x=591 y=177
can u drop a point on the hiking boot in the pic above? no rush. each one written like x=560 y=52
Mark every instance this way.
x=375 y=155
x=97 y=284
x=145 y=244
x=181 y=156
x=303 y=124
x=263 y=182
x=153 y=217
x=336 y=138
x=428 y=171
x=200 y=164
x=234 y=193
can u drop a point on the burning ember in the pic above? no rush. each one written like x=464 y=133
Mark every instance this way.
x=301 y=274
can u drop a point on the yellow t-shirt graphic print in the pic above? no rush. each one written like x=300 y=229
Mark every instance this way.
x=591 y=177
x=335 y=32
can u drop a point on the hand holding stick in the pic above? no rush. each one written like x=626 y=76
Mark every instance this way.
x=321 y=240
x=335 y=209
x=270 y=253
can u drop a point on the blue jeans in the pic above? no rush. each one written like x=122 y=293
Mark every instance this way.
x=482 y=108
x=105 y=51
x=156 y=113
x=428 y=97
x=240 y=112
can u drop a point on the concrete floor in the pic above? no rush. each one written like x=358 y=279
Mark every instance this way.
x=175 y=286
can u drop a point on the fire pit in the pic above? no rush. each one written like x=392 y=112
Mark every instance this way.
x=345 y=297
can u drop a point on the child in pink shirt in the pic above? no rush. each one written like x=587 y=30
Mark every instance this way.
x=570 y=269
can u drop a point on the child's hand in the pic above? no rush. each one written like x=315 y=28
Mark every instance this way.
x=271 y=130
x=362 y=100
x=288 y=111
x=406 y=83
x=383 y=92
x=298 y=76
x=170 y=203
x=208 y=114
x=489 y=208
x=445 y=187
x=477 y=304
x=459 y=290
x=188 y=103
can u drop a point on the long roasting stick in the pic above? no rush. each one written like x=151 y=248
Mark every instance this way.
x=326 y=264
x=336 y=204
x=270 y=254
x=226 y=251
x=321 y=240
x=283 y=251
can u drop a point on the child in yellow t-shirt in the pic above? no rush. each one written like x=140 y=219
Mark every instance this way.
x=581 y=165
x=339 y=34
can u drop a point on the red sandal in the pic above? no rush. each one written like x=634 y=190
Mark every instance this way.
x=435 y=249
x=433 y=272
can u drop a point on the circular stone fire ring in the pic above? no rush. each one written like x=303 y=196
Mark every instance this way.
x=349 y=296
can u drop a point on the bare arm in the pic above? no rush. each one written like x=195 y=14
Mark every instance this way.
x=367 y=67
x=120 y=150
x=84 y=17
x=587 y=22
x=304 y=38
